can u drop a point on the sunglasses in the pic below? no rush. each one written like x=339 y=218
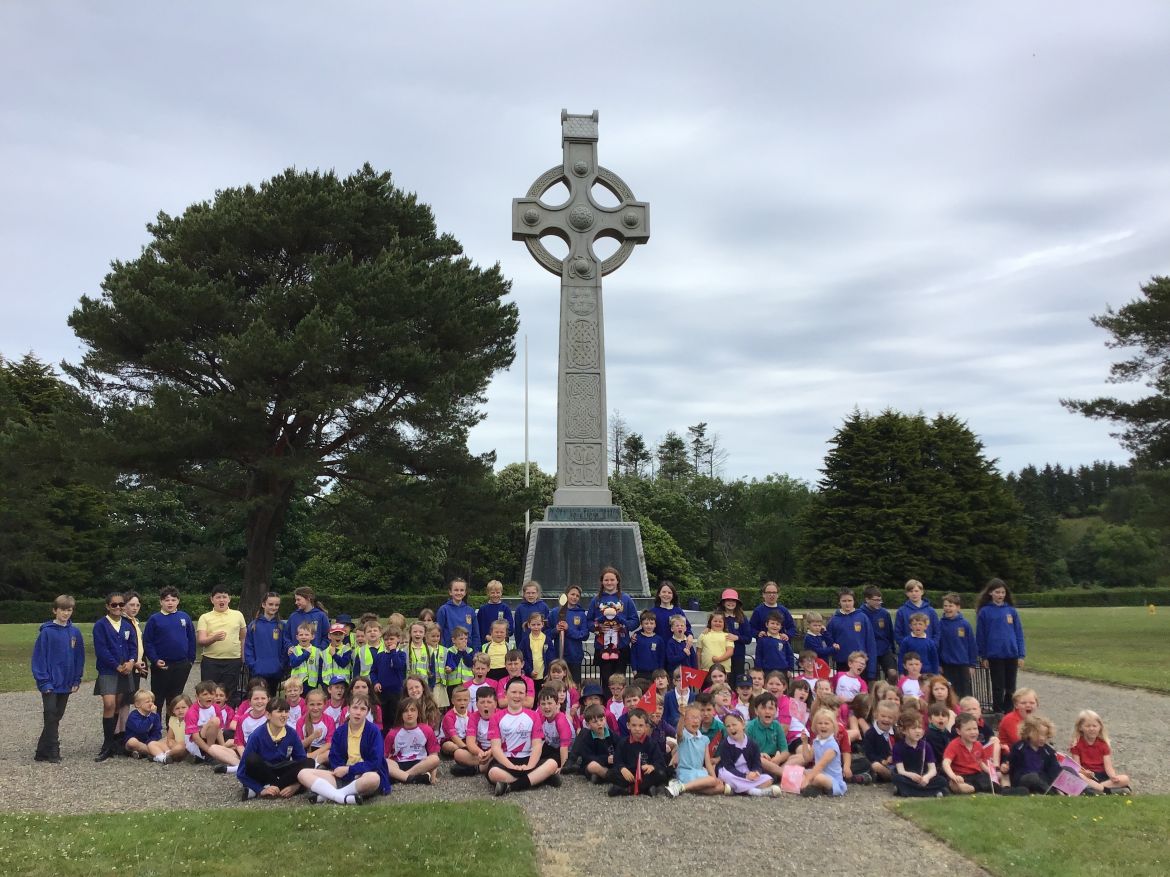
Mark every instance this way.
x=115 y=605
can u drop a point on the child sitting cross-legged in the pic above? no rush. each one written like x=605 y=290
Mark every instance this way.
x=878 y=741
x=825 y=777
x=357 y=768
x=639 y=766
x=964 y=760
x=412 y=750
x=740 y=767
x=1090 y=748
x=768 y=734
x=144 y=732
x=915 y=772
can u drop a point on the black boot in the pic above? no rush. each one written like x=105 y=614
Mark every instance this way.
x=107 y=750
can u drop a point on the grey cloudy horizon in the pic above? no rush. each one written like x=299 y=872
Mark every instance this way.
x=853 y=205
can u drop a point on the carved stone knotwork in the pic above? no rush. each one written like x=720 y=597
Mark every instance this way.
x=584 y=399
x=584 y=466
x=583 y=346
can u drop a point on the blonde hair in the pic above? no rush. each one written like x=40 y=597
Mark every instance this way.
x=913 y=583
x=1034 y=723
x=143 y=694
x=810 y=617
x=1020 y=693
x=1089 y=716
x=494 y=583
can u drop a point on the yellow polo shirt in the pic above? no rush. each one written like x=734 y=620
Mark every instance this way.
x=232 y=622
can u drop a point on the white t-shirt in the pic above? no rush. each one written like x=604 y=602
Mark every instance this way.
x=516 y=731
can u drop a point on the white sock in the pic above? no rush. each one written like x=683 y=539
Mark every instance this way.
x=161 y=758
x=759 y=793
x=232 y=769
x=351 y=789
x=326 y=790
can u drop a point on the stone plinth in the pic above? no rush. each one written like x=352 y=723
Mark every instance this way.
x=574 y=543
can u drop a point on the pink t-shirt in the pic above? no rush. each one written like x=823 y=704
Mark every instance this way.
x=848 y=687
x=325 y=725
x=411 y=744
x=502 y=687
x=246 y=723
x=483 y=732
x=198 y=716
x=454 y=725
x=516 y=731
x=910 y=687
x=557 y=731
x=474 y=687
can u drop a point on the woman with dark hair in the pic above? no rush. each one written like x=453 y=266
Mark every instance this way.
x=612 y=615
x=115 y=645
x=169 y=643
x=309 y=611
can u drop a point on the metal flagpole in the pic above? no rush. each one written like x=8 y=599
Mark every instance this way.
x=527 y=481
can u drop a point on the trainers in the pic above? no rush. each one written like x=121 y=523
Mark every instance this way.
x=314 y=798
x=674 y=788
x=811 y=791
x=727 y=790
x=862 y=779
x=353 y=800
x=246 y=794
x=617 y=792
x=501 y=789
x=595 y=779
x=776 y=792
x=554 y=781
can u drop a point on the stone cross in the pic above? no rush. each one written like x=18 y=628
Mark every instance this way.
x=582 y=460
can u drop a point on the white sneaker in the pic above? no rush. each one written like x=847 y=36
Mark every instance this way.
x=776 y=793
x=675 y=788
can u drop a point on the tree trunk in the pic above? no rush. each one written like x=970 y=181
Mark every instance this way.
x=265 y=521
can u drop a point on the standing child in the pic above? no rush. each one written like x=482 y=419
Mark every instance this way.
x=958 y=652
x=437 y=666
x=496 y=649
x=458 y=666
x=572 y=629
x=825 y=776
x=356 y=759
x=389 y=674
x=647 y=649
x=363 y=654
x=920 y=644
x=1000 y=641
x=850 y=632
x=537 y=649
x=771 y=603
x=530 y=604
x=817 y=641
x=457 y=613
x=495 y=609
x=304 y=658
x=772 y=650
x=418 y=656
x=680 y=649
x=915 y=772
x=883 y=633
x=915 y=602
x=58 y=661
x=412 y=750
x=716 y=645
x=170 y=634
x=1090 y=747
x=115 y=645
x=737 y=626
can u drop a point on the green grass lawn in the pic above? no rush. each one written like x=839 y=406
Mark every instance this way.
x=1044 y=836
x=16 y=642
x=1109 y=644
x=480 y=837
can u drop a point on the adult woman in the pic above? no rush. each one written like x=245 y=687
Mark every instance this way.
x=309 y=611
x=115 y=645
x=613 y=614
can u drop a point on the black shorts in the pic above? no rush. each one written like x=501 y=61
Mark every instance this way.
x=406 y=765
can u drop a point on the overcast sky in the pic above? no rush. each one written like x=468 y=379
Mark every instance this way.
x=906 y=205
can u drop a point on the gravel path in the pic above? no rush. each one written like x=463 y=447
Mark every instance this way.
x=571 y=824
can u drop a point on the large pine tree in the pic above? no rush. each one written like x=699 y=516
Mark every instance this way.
x=902 y=497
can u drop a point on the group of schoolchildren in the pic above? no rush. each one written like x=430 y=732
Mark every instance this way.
x=349 y=710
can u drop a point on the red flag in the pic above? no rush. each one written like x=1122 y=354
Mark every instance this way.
x=693 y=678
x=638 y=777
x=649 y=700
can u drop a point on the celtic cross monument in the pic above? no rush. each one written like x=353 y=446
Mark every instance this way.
x=583 y=530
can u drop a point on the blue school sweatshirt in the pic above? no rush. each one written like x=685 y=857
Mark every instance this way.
x=260 y=743
x=113 y=646
x=489 y=613
x=169 y=637
x=883 y=628
x=523 y=610
x=957 y=643
x=627 y=614
x=578 y=631
x=265 y=653
x=144 y=729
x=662 y=617
x=902 y=620
x=999 y=632
x=759 y=620
x=371 y=749
x=772 y=653
x=677 y=657
x=647 y=654
x=389 y=671
x=743 y=630
x=452 y=615
x=853 y=634
x=58 y=658
x=926 y=650
x=524 y=644
x=313 y=616
x=819 y=643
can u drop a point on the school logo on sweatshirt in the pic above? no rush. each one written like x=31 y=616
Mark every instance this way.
x=1011 y=620
x=183 y=622
x=276 y=634
x=467 y=618
x=126 y=635
x=857 y=627
x=962 y=633
x=576 y=620
x=653 y=647
x=881 y=622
